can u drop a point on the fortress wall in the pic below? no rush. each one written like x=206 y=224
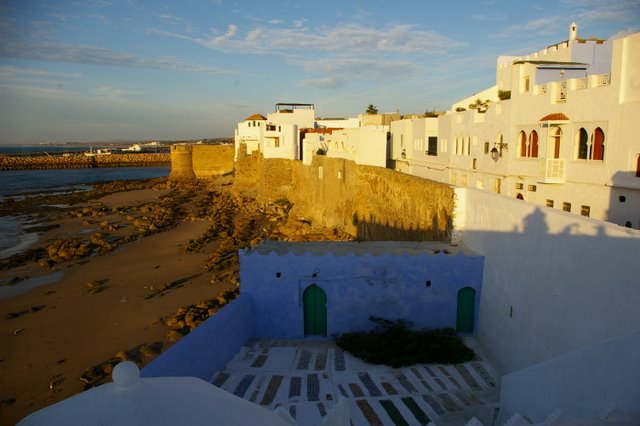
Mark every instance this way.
x=371 y=202
x=200 y=161
x=212 y=160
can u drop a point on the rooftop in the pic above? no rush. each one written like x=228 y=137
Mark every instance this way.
x=376 y=248
x=307 y=377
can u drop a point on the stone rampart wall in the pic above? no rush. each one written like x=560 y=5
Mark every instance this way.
x=201 y=161
x=81 y=161
x=371 y=202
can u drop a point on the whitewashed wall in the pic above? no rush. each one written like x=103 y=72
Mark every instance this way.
x=553 y=282
x=582 y=383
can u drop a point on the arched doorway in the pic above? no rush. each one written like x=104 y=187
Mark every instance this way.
x=519 y=196
x=315 y=311
x=465 y=313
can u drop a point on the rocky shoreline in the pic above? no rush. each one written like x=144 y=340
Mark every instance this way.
x=143 y=263
x=81 y=161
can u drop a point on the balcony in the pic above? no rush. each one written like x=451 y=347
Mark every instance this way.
x=552 y=170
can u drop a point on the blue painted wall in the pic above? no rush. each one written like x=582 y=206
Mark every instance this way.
x=209 y=347
x=357 y=286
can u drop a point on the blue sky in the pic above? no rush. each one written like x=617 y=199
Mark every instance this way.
x=130 y=70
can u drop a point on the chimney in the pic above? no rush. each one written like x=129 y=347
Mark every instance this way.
x=573 y=31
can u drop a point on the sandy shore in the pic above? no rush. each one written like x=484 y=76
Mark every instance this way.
x=123 y=265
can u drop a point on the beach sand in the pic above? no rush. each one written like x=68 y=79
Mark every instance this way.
x=151 y=255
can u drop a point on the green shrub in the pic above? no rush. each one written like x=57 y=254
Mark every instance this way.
x=395 y=344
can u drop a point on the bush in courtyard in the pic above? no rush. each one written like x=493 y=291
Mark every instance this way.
x=395 y=344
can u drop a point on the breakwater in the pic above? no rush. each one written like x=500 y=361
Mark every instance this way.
x=81 y=161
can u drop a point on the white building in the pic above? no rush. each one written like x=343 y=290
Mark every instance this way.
x=292 y=132
x=249 y=132
x=563 y=135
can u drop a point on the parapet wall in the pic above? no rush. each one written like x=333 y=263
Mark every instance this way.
x=371 y=202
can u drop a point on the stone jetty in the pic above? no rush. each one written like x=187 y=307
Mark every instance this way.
x=81 y=161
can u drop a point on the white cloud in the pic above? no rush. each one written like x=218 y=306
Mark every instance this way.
x=330 y=82
x=541 y=26
x=350 y=39
x=83 y=54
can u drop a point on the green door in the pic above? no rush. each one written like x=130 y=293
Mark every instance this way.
x=315 y=311
x=466 y=310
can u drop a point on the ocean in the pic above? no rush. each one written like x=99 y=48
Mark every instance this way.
x=17 y=182
x=21 y=183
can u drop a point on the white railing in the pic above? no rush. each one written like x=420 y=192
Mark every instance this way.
x=552 y=170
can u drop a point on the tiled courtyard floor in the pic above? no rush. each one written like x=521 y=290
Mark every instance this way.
x=307 y=377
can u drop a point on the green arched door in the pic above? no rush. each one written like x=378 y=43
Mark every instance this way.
x=315 y=311
x=466 y=310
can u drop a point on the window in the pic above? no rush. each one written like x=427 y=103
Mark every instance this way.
x=486 y=147
x=585 y=210
x=533 y=145
x=525 y=84
x=598 y=144
x=549 y=203
x=583 y=144
x=566 y=207
x=433 y=145
x=556 y=137
x=519 y=185
x=532 y=188
x=591 y=148
x=522 y=143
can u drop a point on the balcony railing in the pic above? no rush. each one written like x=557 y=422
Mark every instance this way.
x=552 y=170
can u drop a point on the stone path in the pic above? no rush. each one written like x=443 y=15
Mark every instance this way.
x=307 y=377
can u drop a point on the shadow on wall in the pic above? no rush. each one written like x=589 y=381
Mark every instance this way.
x=375 y=230
x=555 y=283
x=624 y=202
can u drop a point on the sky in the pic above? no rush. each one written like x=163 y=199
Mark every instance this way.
x=104 y=70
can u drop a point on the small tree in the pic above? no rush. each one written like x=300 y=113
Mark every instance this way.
x=481 y=106
x=372 y=109
x=503 y=95
x=430 y=113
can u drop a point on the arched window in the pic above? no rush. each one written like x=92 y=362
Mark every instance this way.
x=598 y=144
x=522 y=142
x=583 y=144
x=638 y=166
x=533 y=144
x=556 y=136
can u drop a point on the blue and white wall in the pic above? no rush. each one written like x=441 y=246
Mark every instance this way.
x=419 y=287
